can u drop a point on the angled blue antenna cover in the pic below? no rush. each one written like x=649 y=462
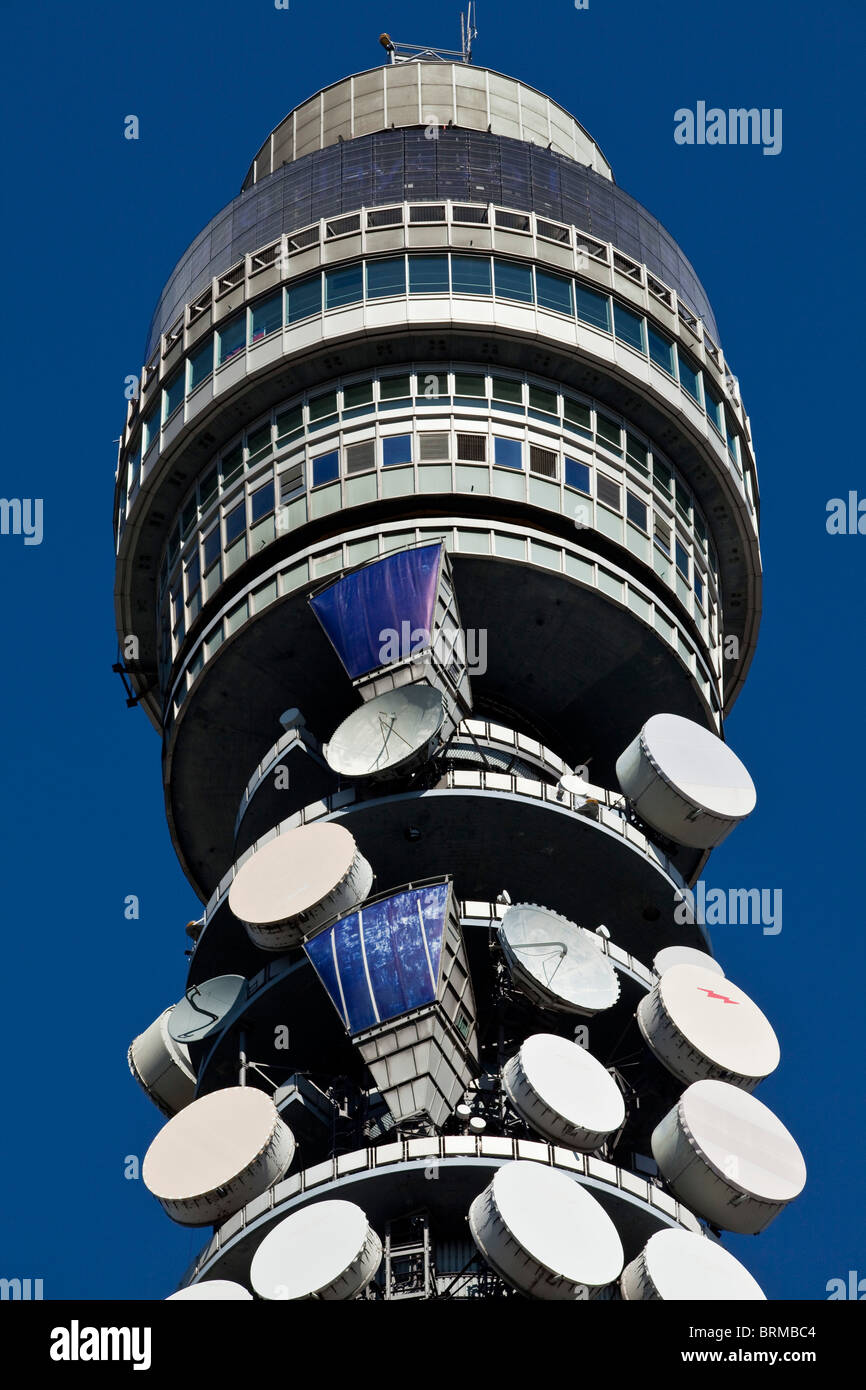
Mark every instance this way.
x=382 y=612
x=383 y=960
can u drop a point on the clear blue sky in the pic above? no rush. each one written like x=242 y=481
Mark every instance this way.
x=93 y=225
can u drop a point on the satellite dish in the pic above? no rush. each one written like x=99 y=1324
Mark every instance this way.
x=393 y=733
x=702 y=1028
x=201 y=1012
x=327 y=1250
x=223 y=1290
x=563 y=1092
x=556 y=964
x=574 y=785
x=298 y=882
x=728 y=1157
x=683 y=1265
x=544 y=1234
x=218 y=1154
x=684 y=781
x=161 y=1066
x=685 y=955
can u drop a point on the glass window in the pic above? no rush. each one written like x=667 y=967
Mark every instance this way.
x=577 y=475
x=628 y=327
x=173 y=545
x=607 y=491
x=323 y=406
x=689 y=378
x=428 y=274
x=662 y=477
x=359 y=393
x=577 y=416
x=174 y=393
x=592 y=308
x=636 y=511
x=542 y=461
x=151 y=428
x=513 y=281
x=636 y=453
x=343 y=286
x=699 y=588
x=326 y=468
x=609 y=433
x=508 y=453
x=661 y=534
x=360 y=458
x=682 y=559
x=700 y=527
x=211 y=547
x=261 y=502
x=661 y=350
x=259 y=442
x=386 y=277
x=134 y=465
x=469 y=385
x=235 y=523
x=539 y=399
x=188 y=516
x=304 y=299
x=506 y=390
x=232 y=338
x=731 y=440
x=290 y=421
x=232 y=464
x=266 y=317
x=715 y=412
x=395 y=388
x=554 y=292
x=471 y=275
x=396 y=448
x=193 y=575
x=684 y=502
x=201 y=363
x=208 y=487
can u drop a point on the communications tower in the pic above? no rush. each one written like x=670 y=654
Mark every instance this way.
x=437 y=573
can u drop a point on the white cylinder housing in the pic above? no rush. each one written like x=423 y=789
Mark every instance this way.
x=563 y=1092
x=162 y=1067
x=326 y=1251
x=681 y=1265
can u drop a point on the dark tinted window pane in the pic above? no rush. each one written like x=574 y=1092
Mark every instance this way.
x=232 y=464
x=428 y=274
x=592 y=308
x=628 y=327
x=386 y=277
x=326 y=468
x=577 y=475
x=151 y=427
x=470 y=275
x=609 y=432
x=289 y=420
x=508 y=453
x=232 y=338
x=466 y=385
x=689 y=378
x=507 y=390
x=554 y=292
x=262 y=502
x=682 y=559
x=259 y=442
x=304 y=299
x=208 y=487
x=193 y=575
x=201 y=364
x=211 y=547
x=393 y=388
x=577 y=415
x=188 y=516
x=397 y=449
x=235 y=523
x=540 y=399
x=174 y=394
x=266 y=317
x=344 y=286
x=636 y=453
x=715 y=410
x=661 y=350
x=513 y=281
x=359 y=393
x=636 y=510
x=662 y=476
x=324 y=405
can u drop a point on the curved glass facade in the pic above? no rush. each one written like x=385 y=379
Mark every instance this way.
x=394 y=165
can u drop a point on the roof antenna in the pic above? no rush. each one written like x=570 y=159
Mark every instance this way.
x=416 y=53
x=468 y=31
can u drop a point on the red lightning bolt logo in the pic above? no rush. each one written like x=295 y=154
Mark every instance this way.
x=711 y=994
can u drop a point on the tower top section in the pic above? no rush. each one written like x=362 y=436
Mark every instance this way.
x=431 y=91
